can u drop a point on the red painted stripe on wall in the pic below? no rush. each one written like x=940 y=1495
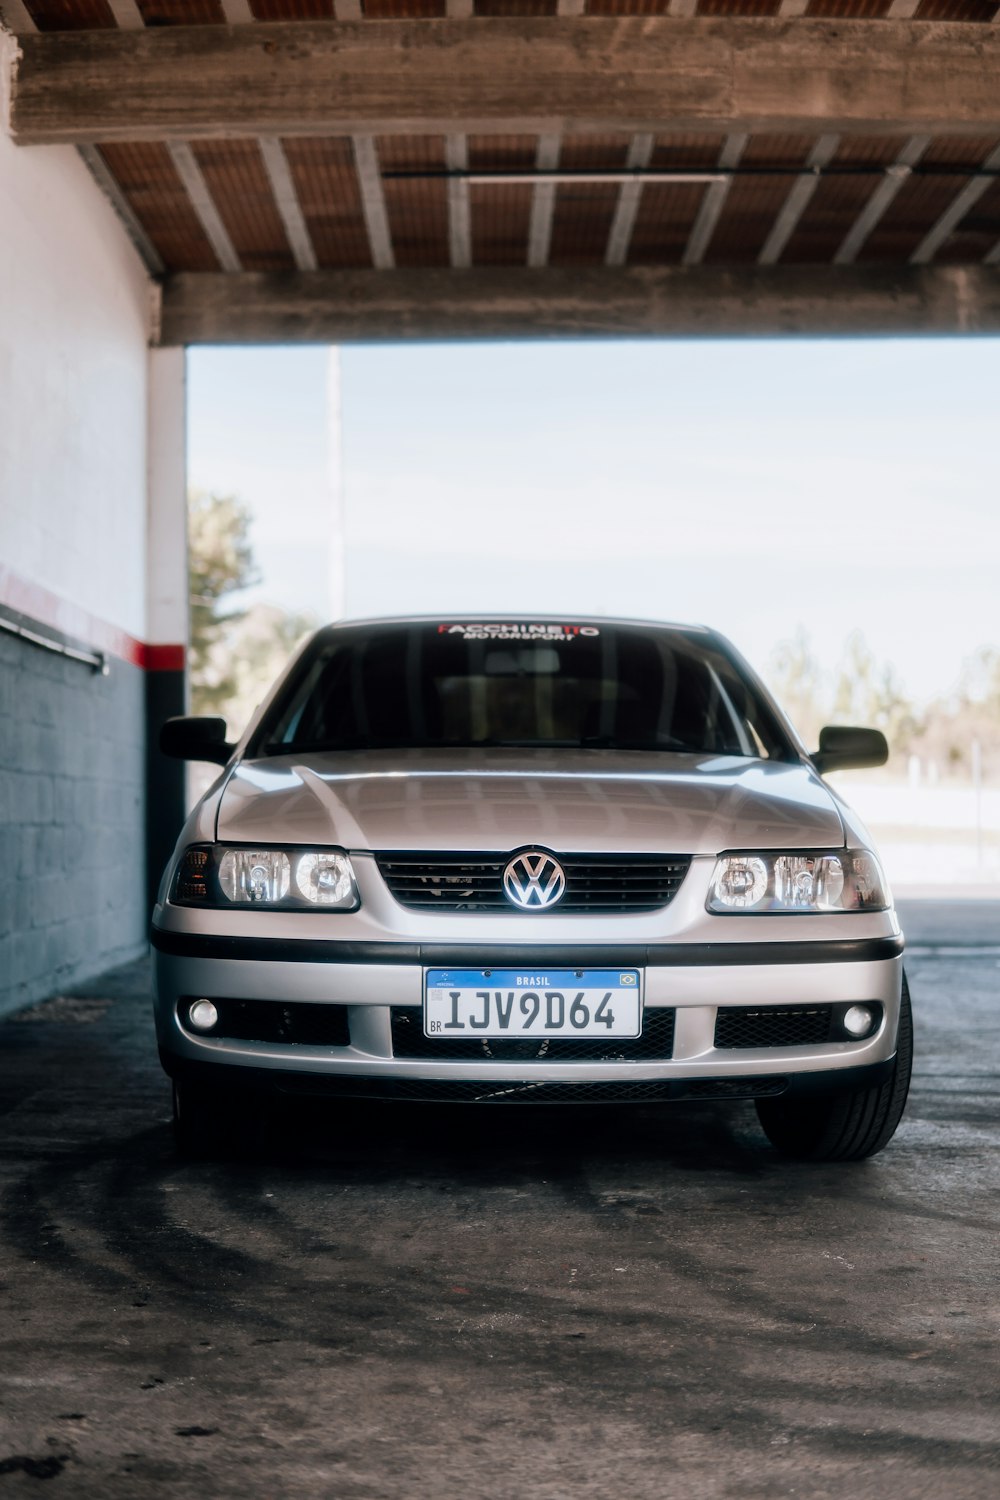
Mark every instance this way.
x=164 y=658
x=47 y=609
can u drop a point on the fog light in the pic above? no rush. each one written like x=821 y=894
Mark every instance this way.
x=858 y=1020
x=203 y=1015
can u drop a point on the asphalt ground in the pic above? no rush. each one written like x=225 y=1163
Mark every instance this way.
x=432 y=1302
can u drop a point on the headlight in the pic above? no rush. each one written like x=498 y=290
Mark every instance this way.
x=850 y=880
x=286 y=879
x=254 y=875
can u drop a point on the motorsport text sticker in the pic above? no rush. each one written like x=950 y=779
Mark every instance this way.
x=550 y=634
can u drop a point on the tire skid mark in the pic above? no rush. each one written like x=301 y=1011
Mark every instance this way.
x=947 y=1453
x=65 y=1190
x=696 y=1378
x=172 y=1243
x=160 y=1256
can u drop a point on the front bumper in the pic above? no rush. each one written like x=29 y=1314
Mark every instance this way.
x=693 y=979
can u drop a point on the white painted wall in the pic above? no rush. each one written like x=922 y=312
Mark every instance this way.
x=75 y=306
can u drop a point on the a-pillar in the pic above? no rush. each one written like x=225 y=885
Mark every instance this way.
x=167 y=601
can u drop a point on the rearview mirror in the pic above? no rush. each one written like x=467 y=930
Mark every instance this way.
x=192 y=738
x=842 y=748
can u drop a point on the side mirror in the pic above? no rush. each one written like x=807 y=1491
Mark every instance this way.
x=190 y=738
x=842 y=749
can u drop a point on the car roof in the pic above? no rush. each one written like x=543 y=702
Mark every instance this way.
x=518 y=617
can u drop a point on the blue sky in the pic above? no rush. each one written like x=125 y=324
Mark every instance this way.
x=755 y=486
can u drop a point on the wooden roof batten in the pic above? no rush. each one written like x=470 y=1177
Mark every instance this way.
x=956 y=211
x=640 y=153
x=459 y=208
x=880 y=201
x=713 y=202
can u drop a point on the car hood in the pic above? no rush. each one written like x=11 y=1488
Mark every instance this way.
x=580 y=801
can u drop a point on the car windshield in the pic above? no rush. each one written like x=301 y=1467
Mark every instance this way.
x=543 y=685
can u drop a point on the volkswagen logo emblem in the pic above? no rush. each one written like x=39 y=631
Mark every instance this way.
x=533 y=880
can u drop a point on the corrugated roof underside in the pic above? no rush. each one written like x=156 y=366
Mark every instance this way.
x=412 y=189
x=235 y=176
x=924 y=197
x=70 y=15
x=150 y=182
x=417 y=207
x=326 y=185
x=840 y=197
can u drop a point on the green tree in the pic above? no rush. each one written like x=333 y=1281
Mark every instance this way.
x=797 y=682
x=220 y=559
x=256 y=648
x=954 y=722
x=870 y=694
x=979 y=683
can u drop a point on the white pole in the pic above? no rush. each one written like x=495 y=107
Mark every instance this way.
x=335 y=481
x=977 y=782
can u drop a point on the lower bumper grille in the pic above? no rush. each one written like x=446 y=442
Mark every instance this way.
x=275 y=1021
x=656 y=1044
x=524 y=1091
x=789 y=1026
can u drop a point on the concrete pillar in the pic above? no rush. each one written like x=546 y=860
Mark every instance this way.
x=166 y=600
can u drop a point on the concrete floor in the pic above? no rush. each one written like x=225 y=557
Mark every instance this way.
x=433 y=1303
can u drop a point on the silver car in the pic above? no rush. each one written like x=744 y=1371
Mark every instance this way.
x=523 y=861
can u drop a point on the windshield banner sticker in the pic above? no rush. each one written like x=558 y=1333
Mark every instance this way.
x=551 y=634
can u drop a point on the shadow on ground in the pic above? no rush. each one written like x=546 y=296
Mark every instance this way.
x=428 y=1300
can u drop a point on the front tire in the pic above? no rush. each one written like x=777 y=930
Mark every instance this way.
x=209 y=1124
x=848 y=1126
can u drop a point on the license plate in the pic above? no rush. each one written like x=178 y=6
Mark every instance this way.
x=529 y=1003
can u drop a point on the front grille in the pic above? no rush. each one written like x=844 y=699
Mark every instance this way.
x=474 y=882
x=656 y=1044
x=275 y=1021
x=526 y=1091
x=789 y=1026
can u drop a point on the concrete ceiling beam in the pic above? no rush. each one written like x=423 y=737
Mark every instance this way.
x=681 y=301
x=508 y=74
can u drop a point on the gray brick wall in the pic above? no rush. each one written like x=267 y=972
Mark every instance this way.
x=72 y=820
